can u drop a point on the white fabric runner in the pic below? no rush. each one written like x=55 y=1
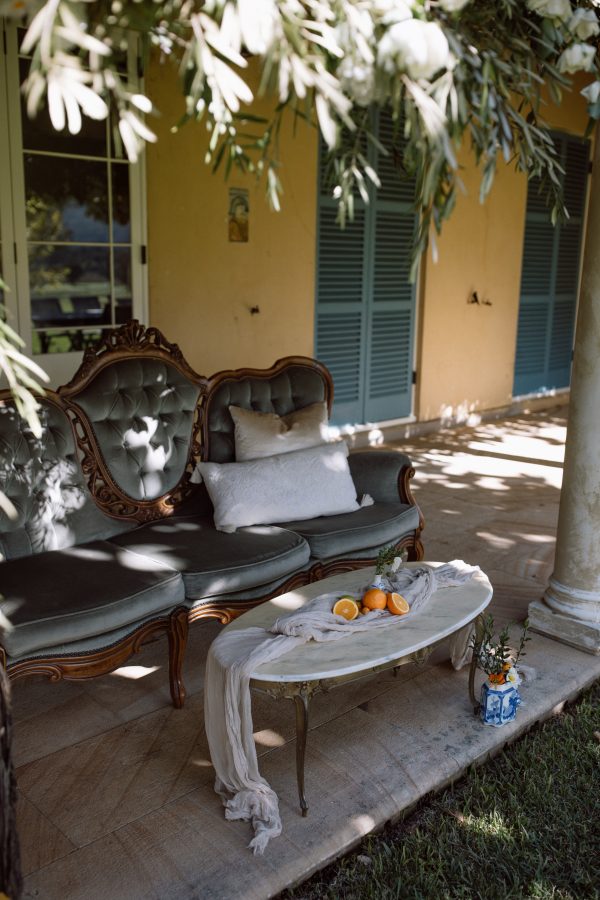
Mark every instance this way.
x=235 y=654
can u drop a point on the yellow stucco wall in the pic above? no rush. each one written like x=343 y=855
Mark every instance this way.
x=467 y=351
x=201 y=286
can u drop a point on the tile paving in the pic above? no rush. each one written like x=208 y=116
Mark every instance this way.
x=115 y=786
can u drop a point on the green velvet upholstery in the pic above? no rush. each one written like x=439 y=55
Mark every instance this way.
x=376 y=472
x=212 y=562
x=43 y=480
x=332 y=536
x=89 y=645
x=142 y=412
x=75 y=580
x=68 y=595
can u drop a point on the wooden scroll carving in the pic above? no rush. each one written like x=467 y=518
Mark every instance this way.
x=131 y=341
x=81 y=666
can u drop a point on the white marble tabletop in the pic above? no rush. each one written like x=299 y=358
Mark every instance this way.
x=448 y=610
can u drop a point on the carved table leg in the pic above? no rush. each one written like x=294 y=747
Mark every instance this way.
x=178 y=634
x=301 y=701
x=478 y=638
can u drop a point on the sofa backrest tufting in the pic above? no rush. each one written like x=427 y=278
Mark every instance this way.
x=42 y=478
x=140 y=420
x=292 y=383
x=142 y=413
x=136 y=405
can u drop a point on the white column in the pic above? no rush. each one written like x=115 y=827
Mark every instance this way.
x=570 y=609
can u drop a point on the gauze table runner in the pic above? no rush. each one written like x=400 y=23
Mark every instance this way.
x=235 y=655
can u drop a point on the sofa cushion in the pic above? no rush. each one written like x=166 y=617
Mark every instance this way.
x=214 y=563
x=296 y=485
x=260 y=434
x=42 y=478
x=284 y=390
x=370 y=526
x=68 y=595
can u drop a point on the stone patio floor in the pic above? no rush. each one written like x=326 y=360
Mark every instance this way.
x=115 y=785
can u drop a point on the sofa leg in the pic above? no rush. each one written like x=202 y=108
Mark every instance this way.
x=178 y=635
x=417 y=552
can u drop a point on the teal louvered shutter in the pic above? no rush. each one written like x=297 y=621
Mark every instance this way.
x=549 y=279
x=365 y=304
x=340 y=315
x=388 y=390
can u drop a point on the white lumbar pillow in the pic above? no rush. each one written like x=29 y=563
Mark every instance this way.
x=259 y=434
x=286 y=487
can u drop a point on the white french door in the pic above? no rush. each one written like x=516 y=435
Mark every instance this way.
x=72 y=224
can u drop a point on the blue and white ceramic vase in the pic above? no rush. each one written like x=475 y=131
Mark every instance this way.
x=379 y=582
x=499 y=703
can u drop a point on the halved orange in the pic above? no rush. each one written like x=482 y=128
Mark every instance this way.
x=397 y=604
x=346 y=607
x=374 y=599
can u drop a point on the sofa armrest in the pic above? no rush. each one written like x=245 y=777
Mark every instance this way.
x=384 y=474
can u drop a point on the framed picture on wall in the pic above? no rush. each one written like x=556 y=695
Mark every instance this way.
x=238 y=219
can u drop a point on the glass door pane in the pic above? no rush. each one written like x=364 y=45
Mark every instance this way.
x=7 y=266
x=78 y=232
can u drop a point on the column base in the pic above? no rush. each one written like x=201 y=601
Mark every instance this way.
x=575 y=632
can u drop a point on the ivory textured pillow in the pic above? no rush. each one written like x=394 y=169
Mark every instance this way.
x=259 y=434
x=283 y=488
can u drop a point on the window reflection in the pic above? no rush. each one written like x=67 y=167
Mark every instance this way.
x=122 y=277
x=78 y=217
x=70 y=286
x=63 y=341
x=121 y=208
x=67 y=199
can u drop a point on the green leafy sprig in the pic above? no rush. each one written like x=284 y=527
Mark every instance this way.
x=493 y=654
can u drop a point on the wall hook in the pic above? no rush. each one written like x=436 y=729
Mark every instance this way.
x=254 y=310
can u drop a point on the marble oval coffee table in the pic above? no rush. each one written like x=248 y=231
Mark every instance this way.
x=314 y=667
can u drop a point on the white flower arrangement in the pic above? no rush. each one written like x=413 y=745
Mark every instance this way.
x=495 y=657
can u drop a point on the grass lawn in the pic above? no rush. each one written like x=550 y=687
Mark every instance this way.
x=524 y=825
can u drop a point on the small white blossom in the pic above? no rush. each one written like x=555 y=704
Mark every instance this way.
x=392 y=11
x=592 y=92
x=577 y=58
x=419 y=48
x=453 y=5
x=583 y=24
x=259 y=21
x=357 y=80
x=551 y=9
x=513 y=677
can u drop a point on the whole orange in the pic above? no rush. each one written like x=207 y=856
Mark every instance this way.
x=374 y=599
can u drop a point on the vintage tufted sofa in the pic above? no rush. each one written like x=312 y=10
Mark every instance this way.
x=113 y=544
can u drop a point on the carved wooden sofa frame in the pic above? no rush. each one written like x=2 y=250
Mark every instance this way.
x=132 y=345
